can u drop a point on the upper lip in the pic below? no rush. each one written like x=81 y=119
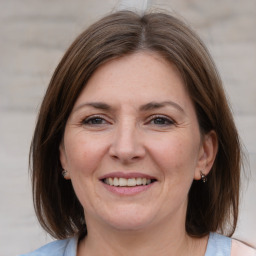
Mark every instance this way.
x=126 y=175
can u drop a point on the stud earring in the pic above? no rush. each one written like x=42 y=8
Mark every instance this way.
x=64 y=173
x=203 y=177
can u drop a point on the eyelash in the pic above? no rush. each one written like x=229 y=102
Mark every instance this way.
x=167 y=120
x=99 y=120
x=89 y=120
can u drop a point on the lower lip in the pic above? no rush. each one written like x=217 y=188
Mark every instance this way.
x=128 y=191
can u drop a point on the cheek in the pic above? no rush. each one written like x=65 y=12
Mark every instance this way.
x=83 y=154
x=177 y=155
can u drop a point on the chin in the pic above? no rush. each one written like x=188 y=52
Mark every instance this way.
x=130 y=221
x=128 y=225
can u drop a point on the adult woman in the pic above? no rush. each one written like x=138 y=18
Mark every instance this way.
x=135 y=118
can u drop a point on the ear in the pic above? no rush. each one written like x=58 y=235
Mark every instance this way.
x=63 y=160
x=207 y=154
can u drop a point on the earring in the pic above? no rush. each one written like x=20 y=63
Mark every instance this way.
x=203 y=177
x=64 y=173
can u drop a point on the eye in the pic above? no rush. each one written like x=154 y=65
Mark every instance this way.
x=94 y=120
x=161 y=121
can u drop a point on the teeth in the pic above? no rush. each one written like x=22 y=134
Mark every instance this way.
x=138 y=181
x=116 y=182
x=122 y=182
x=131 y=182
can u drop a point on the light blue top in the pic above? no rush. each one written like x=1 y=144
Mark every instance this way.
x=218 y=245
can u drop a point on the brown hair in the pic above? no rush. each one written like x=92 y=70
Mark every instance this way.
x=212 y=206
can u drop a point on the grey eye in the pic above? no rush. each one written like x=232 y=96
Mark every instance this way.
x=94 y=121
x=161 y=121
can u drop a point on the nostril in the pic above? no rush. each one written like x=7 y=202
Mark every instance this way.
x=126 y=155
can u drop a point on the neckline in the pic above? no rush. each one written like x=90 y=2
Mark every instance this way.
x=217 y=245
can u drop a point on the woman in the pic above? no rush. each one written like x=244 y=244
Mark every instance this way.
x=135 y=151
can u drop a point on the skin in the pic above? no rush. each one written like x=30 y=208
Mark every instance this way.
x=127 y=134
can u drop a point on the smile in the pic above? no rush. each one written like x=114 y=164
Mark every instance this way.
x=131 y=182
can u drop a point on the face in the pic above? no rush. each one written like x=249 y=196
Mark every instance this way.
x=132 y=145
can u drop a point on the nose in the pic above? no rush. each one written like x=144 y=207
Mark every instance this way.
x=127 y=145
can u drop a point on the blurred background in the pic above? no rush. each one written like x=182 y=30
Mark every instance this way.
x=35 y=35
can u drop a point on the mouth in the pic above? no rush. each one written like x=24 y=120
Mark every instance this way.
x=128 y=182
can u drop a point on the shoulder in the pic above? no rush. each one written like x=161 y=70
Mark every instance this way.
x=225 y=246
x=56 y=248
x=240 y=249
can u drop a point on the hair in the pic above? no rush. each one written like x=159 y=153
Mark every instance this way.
x=212 y=206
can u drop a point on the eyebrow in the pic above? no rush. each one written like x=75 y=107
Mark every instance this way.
x=157 y=105
x=97 y=105
x=146 y=107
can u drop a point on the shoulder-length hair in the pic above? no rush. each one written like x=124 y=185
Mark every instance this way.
x=212 y=206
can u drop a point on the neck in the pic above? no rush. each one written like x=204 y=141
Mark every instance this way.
x=166 y=238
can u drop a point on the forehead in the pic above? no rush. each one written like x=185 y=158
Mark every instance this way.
x=141 y=75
